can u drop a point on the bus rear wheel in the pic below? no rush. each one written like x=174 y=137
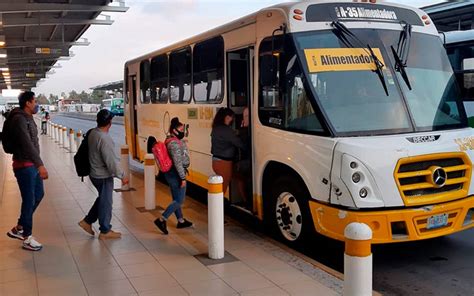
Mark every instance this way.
x=287 y=211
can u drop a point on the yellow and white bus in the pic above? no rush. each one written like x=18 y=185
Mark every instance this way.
x=355 y=115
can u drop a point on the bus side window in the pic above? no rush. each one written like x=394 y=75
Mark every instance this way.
x=145 y=93
x=180 y=75
x=208 y=70
x=271 y=110
x=159 y=79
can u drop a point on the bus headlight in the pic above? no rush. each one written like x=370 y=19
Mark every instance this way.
x=360 y=183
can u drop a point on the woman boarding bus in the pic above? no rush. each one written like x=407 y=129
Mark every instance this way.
x=355 y=115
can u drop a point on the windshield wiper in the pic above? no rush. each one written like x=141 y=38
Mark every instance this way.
x=343 y=30
x=401 y=54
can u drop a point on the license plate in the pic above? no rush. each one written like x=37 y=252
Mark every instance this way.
x=437 y=221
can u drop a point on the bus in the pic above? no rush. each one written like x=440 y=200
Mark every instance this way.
x=114 y=105
x=355 y=116
x=10 y=105
x=460 y=48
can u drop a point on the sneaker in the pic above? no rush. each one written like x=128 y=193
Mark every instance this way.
x=16 y=233
x=87 y=227
x=110 y=235
x=31 y=244
x=161 y=225
x=184 y=224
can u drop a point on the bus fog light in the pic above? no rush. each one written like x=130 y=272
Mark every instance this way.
x=363 y=193
x=356 y=177
x=353 y=165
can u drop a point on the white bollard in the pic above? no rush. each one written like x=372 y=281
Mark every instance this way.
x=215 y=218
x=72 y=141
x=125 y=165
x=79 y=138
x=65 y=138
x=358 y=260
x=53 y=136
x=56 y=133
x=60 y=135
x=150 y=202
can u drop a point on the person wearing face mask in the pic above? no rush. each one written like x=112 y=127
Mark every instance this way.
x=176 y=177
x=28 y=167
x=224 y=145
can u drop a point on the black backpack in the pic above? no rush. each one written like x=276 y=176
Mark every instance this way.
x=81 y=159
x=8 y=139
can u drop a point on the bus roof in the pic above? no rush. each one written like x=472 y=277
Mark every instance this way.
x=284 y=8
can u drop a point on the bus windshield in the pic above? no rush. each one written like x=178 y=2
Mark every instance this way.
x=352 y=95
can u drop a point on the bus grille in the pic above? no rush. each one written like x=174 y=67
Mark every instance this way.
x=415 y=178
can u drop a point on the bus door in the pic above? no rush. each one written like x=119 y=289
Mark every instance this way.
x=239 y=94
x=132 y=81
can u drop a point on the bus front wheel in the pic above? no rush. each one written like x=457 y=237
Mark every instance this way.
x=287 y=211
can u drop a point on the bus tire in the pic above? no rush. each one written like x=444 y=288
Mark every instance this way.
x=287 y=211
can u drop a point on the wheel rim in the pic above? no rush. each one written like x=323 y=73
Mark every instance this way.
x=288 y=216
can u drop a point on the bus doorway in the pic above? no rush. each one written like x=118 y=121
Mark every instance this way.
x=132 y=81
x=239 y=94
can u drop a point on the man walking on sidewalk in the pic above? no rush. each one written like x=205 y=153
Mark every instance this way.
x=27 y=166
x=104 y=168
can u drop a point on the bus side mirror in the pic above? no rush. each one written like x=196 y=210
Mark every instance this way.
x=269 y=69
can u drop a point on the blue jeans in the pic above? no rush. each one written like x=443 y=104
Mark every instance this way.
x=102 y=208
x=32 y=192
x=178 y=194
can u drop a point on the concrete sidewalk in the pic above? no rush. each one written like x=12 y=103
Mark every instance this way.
x=143 y=261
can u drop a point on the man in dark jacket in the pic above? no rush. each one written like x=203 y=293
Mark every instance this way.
x=28 y=168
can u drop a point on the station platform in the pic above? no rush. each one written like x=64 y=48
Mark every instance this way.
x=143 y=261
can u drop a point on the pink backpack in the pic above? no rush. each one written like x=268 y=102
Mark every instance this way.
x=162 y=156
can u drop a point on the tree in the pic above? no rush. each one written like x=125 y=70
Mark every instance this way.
x=53 y=99
x=73 y=95
x=84 y=97
x=42 y=99
x=97 y=96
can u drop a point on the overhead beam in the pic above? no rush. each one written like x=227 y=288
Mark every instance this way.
x=31 y=22
x=32 y=60
x=57 y=7
x=43 y=43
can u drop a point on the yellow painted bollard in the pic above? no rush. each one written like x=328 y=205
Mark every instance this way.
x=65 y=138
x=215 y=218
x=72 y=141
x=60 y=135
x=79 y=138
x=125 y=165
x=150 y=203
x=358 y=260
x=53 y=131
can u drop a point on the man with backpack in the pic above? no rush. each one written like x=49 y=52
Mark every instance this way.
x=20 y=138
x=103 y=169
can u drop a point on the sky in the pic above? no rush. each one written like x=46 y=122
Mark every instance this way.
x=148 y=25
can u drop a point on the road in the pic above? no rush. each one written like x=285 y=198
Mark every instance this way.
x=442 y=266
x=117 y=131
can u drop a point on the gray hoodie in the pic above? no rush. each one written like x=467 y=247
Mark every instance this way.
x=26 y=137
x=102 y=155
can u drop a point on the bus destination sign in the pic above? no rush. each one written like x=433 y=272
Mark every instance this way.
x=359 y=12
x=351 y=12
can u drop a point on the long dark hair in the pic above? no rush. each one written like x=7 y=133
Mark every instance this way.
x=150 y=143
x=175 y=123
x=221 y=114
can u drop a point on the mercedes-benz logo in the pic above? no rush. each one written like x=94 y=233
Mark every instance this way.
x=439 y=177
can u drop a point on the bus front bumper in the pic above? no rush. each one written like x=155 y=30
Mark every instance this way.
x=389 y=226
